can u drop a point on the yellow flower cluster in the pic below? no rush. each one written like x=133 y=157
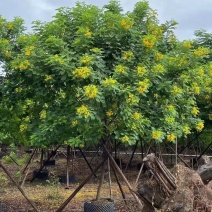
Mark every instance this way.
x=171 y=137
x=143 y=85
x=128 y=55
x=87 y=33
x=149 y=41
x=156 y=134
x=200 y=72
x=170 y=120
x=58 y=59
x=82 y=72
x=158 y=56
x=109 y=113
x=96 y=50
x=43 y=114
x=83 y=111
x=109 y=81
x=125 y=139
x=23 y=127
x=141 y=71
x=18 y=90
x=28 y=51
x=86 y=59
x=158 y=69
x=201 y=51
x=126 y=23
x=131 y=99
x=187 y=44
x=199 y=126
x=48 y=77
x=195 y=88
x=176 y=90
x=91 y=91
x=7 y=54
x=186 y=130
x=136 y=116
x=24 y=65
x=74 y=123
x=210 y=72
x=120 y=69
x=10 y=26
x=194 y=110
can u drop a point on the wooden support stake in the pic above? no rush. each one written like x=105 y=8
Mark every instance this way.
x=79 y=187
x=83 y=155
x=19 y=188
x=121 y=173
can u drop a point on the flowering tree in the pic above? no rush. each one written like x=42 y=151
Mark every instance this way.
x=98 y=73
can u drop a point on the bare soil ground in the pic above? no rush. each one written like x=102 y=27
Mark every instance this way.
x=191 y=194
x=49 y=195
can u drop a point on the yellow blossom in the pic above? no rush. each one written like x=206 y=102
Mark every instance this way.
x=125 y=139
x=176 y=90
x=136 y=116
x=158 y=69
x=28 y=52
x=141 y=71
x=187 y=44
x=120 y=69
x=109 y=82
x=134 y=126
x=195 y=88
x=91 y=91
x=24 y=65
x=58 y=59
x=83 y=111
x=143 y=85
x=194 y=110
x=86 y=59
x=156 y=134
x=149 y=41
x=199 y=126
x=48 y=77
x=109 y=113
x=23 y=127
x=187 y=130
x=96 y=50
x=18 y=90
x=128 y=55
x=210 y=72
x=43 y=114
x=88 y=33
x=201 y=51
x=126 y=23
x=132 y=100
x=82 y=72
x=158 y=56
x=171 y=137
x=74 y=122
x=10 y=26
x=170 y=120
x=7 y=54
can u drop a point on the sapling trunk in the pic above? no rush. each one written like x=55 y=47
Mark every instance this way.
x=67 y=166
x=101 y=180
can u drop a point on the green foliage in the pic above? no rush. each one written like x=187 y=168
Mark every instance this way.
x=96 y=74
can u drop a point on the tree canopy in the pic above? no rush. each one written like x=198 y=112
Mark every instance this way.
x=100 y=74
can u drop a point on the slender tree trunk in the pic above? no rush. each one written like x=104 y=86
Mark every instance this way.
x=101 y=180
x=67 y=166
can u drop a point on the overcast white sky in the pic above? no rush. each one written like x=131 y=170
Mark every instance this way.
x=190 y=14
